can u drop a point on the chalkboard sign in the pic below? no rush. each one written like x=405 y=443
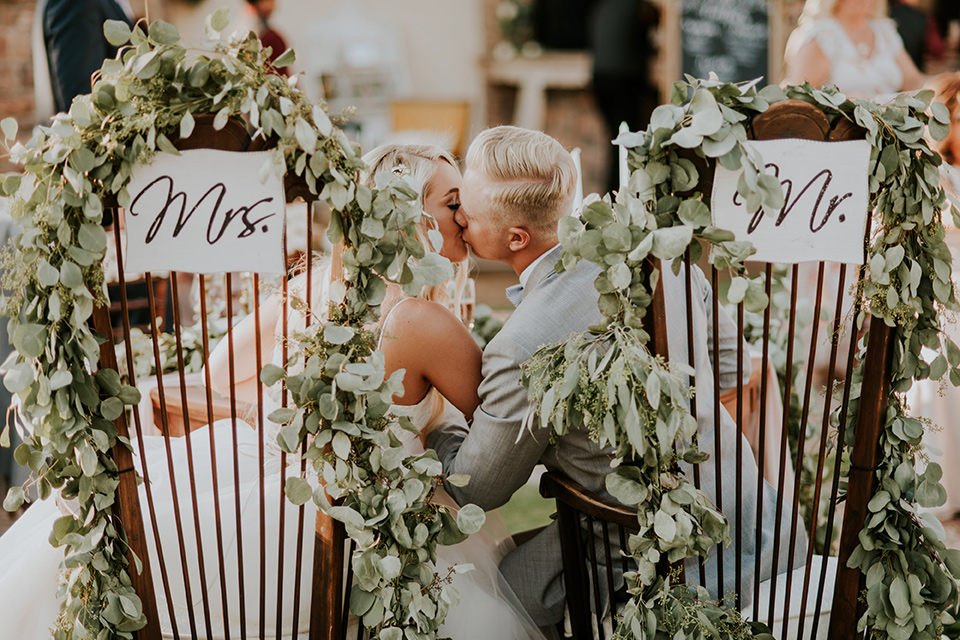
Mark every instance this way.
x=727 y=37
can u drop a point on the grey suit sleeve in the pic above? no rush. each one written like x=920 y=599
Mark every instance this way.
x=497 y=452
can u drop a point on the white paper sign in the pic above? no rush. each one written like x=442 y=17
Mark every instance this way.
x=205 y=211
x=825 y=191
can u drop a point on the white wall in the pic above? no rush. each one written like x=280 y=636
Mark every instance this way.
x=444 y=39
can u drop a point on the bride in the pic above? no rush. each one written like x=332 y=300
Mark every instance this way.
x=213 y=539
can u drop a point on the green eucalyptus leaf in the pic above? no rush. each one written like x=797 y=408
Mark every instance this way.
x=117 y=32
x=10 y=184
x=92 y=237
x=323 y=124
x=162 y=33
x=220 y=19
x=271 y=374
x=298 y=491
x=14 y=499
x=47 y=275
x=29 y=339
x=147 y=65
x=672 y=242
x=285 y=59
x=220 y=120
x=336 y=334
x=111 y=408
x=470 y=518
x=306 y=136
x=18 y=377
x=737 y=290
x=71 y=276
x=347 y=516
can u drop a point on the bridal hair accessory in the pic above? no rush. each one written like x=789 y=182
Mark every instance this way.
x=399 y=170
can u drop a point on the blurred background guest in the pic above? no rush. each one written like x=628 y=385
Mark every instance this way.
x=256 y=17
x=853 y=45
x=72 y=40
x=621 y=50
x=920 y=35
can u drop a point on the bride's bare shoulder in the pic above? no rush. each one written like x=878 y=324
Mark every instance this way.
x=416 y=317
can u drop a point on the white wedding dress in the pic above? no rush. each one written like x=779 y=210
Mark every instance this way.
x=873 y=74
x=30 y=567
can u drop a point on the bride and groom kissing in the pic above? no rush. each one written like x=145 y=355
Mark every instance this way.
x=470 y=406
x=517 y=186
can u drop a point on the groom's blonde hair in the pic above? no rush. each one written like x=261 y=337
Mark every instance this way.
x=534 y=176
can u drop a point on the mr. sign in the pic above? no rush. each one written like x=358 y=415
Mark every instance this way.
x=825 y=191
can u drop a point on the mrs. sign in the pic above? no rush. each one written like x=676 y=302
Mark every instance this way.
x=825 y=191
x=206 y=211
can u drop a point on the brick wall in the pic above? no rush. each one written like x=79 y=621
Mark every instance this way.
x=16 y=68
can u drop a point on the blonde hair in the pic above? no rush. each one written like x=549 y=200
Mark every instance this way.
x=815 y=9
x=419 y=162
x=947 y=87
x=534 y=176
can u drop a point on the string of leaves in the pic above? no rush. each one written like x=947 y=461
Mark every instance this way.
x=361 y=473
x=910 y=575
x=140 y=103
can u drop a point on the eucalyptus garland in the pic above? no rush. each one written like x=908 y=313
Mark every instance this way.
x=361 y=473
x=140 y=103
x=911 y=577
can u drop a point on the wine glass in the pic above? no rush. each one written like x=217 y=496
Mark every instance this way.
x=468 y=302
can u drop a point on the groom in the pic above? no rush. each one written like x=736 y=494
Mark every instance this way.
x=517 y=185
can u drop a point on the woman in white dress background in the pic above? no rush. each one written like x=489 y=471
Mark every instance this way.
x=853 y=45
x=442 y=373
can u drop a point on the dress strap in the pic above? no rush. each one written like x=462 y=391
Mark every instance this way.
x=386 y=318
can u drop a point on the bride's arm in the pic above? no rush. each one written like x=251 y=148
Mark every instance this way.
x=434 y=348
x=246 y=376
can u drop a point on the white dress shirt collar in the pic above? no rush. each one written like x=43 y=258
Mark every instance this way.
x=525 y=275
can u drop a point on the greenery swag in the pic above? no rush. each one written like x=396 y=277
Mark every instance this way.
x=148 y=97
x=607 y=378
x=140 y=102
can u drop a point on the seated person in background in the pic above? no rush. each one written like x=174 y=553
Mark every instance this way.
x=853 y=45
x=919 y=32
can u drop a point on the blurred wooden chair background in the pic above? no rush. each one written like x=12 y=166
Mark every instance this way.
x=445 y=123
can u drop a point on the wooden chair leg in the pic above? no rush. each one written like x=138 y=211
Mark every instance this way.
x=574 y=573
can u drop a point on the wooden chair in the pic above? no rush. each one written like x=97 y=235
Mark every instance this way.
x=321 y=583
x=593 y=598
x=450 y=120
x=813 y=584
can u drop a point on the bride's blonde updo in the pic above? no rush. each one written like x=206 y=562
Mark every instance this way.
x=418 y=162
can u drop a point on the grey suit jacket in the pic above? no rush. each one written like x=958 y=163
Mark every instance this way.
x=499 y=454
